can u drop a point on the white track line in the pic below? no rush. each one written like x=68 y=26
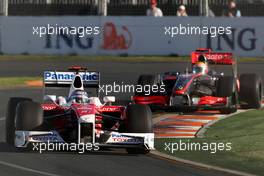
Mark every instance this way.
x=26 y=169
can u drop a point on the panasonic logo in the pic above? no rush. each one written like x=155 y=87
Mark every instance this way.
x=68 y=76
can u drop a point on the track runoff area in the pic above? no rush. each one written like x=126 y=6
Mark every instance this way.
x=187 y=125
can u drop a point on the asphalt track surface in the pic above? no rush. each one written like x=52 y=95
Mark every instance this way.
x=115 y=162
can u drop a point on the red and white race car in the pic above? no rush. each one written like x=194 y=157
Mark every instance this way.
x=204 y=87
x=78 y=118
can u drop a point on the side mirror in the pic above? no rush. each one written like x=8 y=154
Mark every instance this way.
x=61 y=100
x=109 y=99
x=50 y=97
x=96 y=101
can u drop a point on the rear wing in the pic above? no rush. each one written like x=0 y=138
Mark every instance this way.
x=223 y=58
x=90 y=79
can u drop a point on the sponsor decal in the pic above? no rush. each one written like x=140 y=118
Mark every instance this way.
x=244 y=39
x=68 y=76
x=65 y=39
x=114 y=39
x=111 y=109
x=125 y=139
x=44 y=138
x=48 y=107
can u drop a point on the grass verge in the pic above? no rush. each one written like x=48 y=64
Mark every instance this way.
x=244 y=131
x=110 y=58
x=6 y=82
x=93 y=58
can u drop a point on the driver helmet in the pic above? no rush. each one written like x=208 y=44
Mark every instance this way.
x=79 y=96
x=200 y=67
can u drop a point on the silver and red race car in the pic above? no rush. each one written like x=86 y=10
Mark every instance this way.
x=219 y=88
x=78 y=118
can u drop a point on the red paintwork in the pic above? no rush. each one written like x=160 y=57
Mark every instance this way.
x=81 y=109
x=75 y=67
x=203 y=50
x=224 y=58
x=158 y=100
x=210 y=100
x=170 y=77
x=164 y=100
x=111 y=109
x=48 y=107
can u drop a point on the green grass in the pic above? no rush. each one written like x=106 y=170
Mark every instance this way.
x=6 y=82
x=110 y=58
x=92 y=58
x=244 y=131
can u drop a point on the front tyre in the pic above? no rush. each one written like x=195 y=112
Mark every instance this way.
x=139 y=120
x=29 y=116
x=232 y=105
x=10 y=118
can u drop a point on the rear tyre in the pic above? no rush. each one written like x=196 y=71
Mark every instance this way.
x=139 y=120
x=10 y=118
x=148 y=80
x=251 y=90
x=225 y=86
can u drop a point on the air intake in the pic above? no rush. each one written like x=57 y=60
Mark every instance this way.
x=77 y=82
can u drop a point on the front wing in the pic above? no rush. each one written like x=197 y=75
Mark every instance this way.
x=114 y=139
